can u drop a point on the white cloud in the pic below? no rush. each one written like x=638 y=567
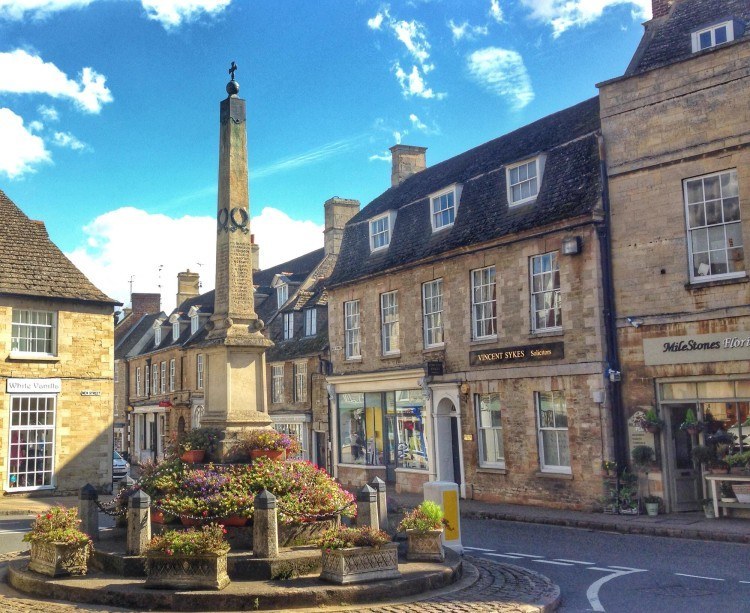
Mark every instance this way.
x=502 y=72
x=20 y=9
x=375 y=22
x=496 y=11
x=67 y=140
x=309 y=157
x=20 y=150
x=385 y=156
x=414 y=37
x=48 y=113
x=417 y=123
x=23 y=73
x=413 y=84
x=464 y=30
x=397 y=136
x=177 y=244
x=36 y=126
x=172 y=13
x=562 y=15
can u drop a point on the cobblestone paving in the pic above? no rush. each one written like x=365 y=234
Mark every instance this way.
x=500 y=588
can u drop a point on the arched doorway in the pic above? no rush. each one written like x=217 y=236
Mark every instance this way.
x=449 y=457
x=181 y=425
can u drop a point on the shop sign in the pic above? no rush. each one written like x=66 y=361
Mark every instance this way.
x=434 y=369
x=513 y=355
x=721 y=347
x=33 y=386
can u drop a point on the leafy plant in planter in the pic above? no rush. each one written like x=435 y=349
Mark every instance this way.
x=651 y=422
x=739 y=460
x=193 y=445
x=708 y=507
x=258 y=442
x=691 y=424
x=727 y=493
x=703 y=454
x=652 y=505
x=643 y=459
x=424 y=532
x=356 y=555
x=58 y=547
x=188 y=559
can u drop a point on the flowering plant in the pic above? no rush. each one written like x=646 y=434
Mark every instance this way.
x=209 y=539
x=427 y=516
x=58 y=525
x=199 y=439
x=343 y=538
x=266 y=440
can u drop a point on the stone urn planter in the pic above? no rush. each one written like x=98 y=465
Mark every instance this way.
x=360 y=564
x=207 y=571
x=58 y=559
x=425 y=546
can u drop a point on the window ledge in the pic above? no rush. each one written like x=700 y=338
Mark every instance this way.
x=483 y=341
x=434 y=348
x=32 y=357
x=695 y=285
x=365 y=466
x=416 y=471
x=353 y=360
x=551 y=475
x=391 y=356
x=547 y=333
x=492 y=471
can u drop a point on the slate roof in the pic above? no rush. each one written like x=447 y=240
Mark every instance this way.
x=129 y=344
x=32 y=265
x=667 y=39
x=571 y=186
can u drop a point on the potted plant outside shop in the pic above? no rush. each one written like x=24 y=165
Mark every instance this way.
x=424 y=533
x=652 y=505
x=195 y=444
x=188 y=559
x=651 y=422
x=643 y=459
x=58 y=547
x=691 y=425
x=727 y=493
x=357 y=555
x=703 y=455
x=708 y=507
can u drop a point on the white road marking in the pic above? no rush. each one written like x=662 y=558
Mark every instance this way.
x=593 y=592
x=699 y=577
x=628 y=568
x=575 y=561
x=13 y=531
x=552 y=562
x=478 y=549
x=522 y=555
x=503 y=555
x=744 y=581
x=604 y=570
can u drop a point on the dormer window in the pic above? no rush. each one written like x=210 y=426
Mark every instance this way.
x=523 y=180
x=381 y=229
x=712 y=36
x=443 y=207
x=282 y=294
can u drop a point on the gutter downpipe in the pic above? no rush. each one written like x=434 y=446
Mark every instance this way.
x=603 y=231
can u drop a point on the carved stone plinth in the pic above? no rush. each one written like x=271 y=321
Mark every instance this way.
x=59 y=559
x=425 y=546
x=360 y=564
x=183 y=572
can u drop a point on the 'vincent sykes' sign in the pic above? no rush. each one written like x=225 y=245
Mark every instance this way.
x=513 y=355
x=722 y=347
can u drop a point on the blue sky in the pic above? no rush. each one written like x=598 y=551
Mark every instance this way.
x=109 y=109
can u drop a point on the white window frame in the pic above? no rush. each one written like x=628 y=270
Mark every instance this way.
x=288 y=321
x=540 y=295
x=298 y=429
x=538 y=162
x=199 y=371
x=456 y=191
x=300 y=381
x=172 y=368
x=154 y=378
x=381 y=231
x=147 y=377
x=157 y=336
x=352 y=341
x=138 y=386
x=163 y=377
x=311 y=322
x=431 y=314
x=389 y=327
x=277 y=383
x=696 y=36
x=544 y=426
x=694 y=278
x=175 y=331
x=16 y=336
x=28 y=429
x=282 y=294
x=483 y=299
x=194 y=324
x=484 y=431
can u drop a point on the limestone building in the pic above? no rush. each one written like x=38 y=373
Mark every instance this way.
x=56 y=338
x=676 y=128
x=466 y=321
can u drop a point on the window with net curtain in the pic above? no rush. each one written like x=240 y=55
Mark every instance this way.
x=490 y=430
x=552 y=424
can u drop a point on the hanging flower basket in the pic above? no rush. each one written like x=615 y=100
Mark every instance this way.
x=651 y=427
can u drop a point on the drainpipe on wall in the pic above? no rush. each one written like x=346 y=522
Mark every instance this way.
x=603 y=231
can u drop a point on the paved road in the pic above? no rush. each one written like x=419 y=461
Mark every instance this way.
x=12 y=529
x=601 y=571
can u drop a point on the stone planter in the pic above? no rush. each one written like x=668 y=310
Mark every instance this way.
x=360 y=564
x=194 y=456
x=58 y=559
x=206 y=571
x=425 y=546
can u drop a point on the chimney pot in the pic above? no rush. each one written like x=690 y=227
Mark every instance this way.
x=660 y=8
x=187 y=286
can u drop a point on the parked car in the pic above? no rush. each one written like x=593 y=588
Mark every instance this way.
x=120 y=468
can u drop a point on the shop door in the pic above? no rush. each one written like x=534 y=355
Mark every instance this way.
x=389 y=444
x=683 y=480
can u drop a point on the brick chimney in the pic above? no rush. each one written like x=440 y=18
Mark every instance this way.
x=187 y=286
x=145 y=303
x=660 y=8
x=337 y=212
x=406 y=161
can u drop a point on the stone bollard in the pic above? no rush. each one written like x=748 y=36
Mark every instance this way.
x=367 y=507
x=379 y=486
x=265 y=526
x=88 y=512
x=139 y=523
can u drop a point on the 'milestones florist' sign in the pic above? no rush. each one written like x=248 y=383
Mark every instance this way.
x=512 y=355
x=722 y=347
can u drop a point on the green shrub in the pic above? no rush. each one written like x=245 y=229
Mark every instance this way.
x=209 y=539
x=427 y=516
x=343 y=538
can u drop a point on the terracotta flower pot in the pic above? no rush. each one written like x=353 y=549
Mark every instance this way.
x=159 y=517
x=267 y=453
x=188 y=521
x=233 y=520
x=194 y=456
